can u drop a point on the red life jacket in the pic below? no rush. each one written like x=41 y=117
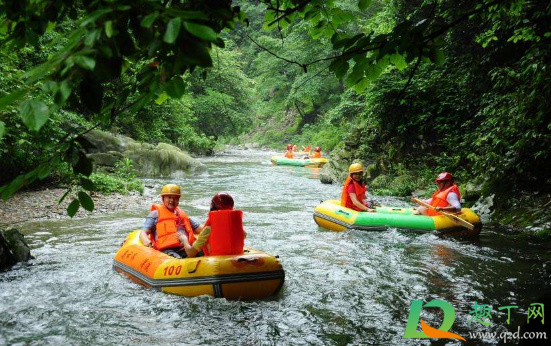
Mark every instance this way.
x=227 y=236
x=439 y=199
x=360 y=193
x=167 y=227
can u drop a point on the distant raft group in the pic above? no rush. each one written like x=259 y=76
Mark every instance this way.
x=303 y=158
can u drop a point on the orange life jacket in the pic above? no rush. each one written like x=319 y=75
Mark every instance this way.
x=360 y=193
x=167 y=227
x=307 y=149
x=288 y=154
x=439 y=199
x=316 y=154
x=227 y=236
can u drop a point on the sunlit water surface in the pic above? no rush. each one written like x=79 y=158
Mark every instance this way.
x=353 y=287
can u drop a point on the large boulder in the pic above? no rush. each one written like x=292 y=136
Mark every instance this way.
x=13 y=248
x=163 y=160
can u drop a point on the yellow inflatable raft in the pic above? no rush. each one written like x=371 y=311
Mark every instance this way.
x=252 y=275
x=331 y=215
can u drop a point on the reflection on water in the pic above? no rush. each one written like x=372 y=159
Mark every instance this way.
x=343 y=288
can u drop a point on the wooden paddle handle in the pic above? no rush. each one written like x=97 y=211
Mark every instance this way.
x=454 y=218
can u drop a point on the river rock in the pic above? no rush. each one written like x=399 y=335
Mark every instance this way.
x=162 y=160
x=13 y=248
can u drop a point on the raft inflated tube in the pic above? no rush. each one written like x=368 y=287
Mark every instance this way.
x=252 y=275
x=312 y=162
x=332 y=216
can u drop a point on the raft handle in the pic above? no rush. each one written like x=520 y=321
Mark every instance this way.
x=244 y=259
x=191 y=270
x=342 y=212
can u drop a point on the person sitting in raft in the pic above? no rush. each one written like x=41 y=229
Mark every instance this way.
x=445 y=198
x=222 y=233
x=317 y=153
x=289 y=152
x=166 y=225
x=295 y=148
x=354 y=191
x=307 y=149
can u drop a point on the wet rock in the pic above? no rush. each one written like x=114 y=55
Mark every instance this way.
x=162 y=160
x=13 y=248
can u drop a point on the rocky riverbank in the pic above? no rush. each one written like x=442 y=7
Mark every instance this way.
x=43 y=205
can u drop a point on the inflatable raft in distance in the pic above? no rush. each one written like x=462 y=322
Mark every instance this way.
x=313 y=162
x=252 y=275
x=332 y=216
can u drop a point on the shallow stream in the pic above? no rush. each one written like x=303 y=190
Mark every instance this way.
x=353 y=287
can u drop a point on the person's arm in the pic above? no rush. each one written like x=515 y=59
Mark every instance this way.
x=196 y=226
x=144 y=237
x=192 y=250
x=359 y=204
x=453 y=200
x=148 y=226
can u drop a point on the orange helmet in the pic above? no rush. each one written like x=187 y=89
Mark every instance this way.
x=355 y=168
x=317 y=149
x=444 y=176
x=222 y=201
x=170 y=190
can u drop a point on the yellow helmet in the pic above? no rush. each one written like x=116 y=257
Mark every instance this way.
x=170 y=190
x=355 y=168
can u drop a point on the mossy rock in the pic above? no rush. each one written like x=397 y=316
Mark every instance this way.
x=103 y=142
x=13 y=248
x=380 y=182
x=162 y=160
x=106 y=159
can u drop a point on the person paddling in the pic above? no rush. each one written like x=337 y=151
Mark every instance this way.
x=354 y=191
x=317 y=153
x=289 y=152
x=166 y=225
x=446 y=197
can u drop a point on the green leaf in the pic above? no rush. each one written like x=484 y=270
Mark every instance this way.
x=399 y=61
x=2 y=129
x=86 y=201
x=84 y=165
x=44 y=171
x=73 y=207
x=364 y=4
x=108 y=28
x=436 y=56
x=149 y=19
x=161 y=99
x=94 y=16
x=361 y=85
x=87 y=184
x=85 y=62
x=201 y=31
x=175 y=88
x=172 y=30
x=34 y=114
x=64 y=195
x=12 y=97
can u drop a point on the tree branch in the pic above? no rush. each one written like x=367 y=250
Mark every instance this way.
x=302 y=66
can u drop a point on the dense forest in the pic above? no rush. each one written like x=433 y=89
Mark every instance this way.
x=410 y=87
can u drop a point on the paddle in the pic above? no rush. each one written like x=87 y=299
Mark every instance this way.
x=451 y=216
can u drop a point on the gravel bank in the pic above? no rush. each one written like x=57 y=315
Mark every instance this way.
x=43 y=205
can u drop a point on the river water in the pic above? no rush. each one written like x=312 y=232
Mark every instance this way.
x=353 y=287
